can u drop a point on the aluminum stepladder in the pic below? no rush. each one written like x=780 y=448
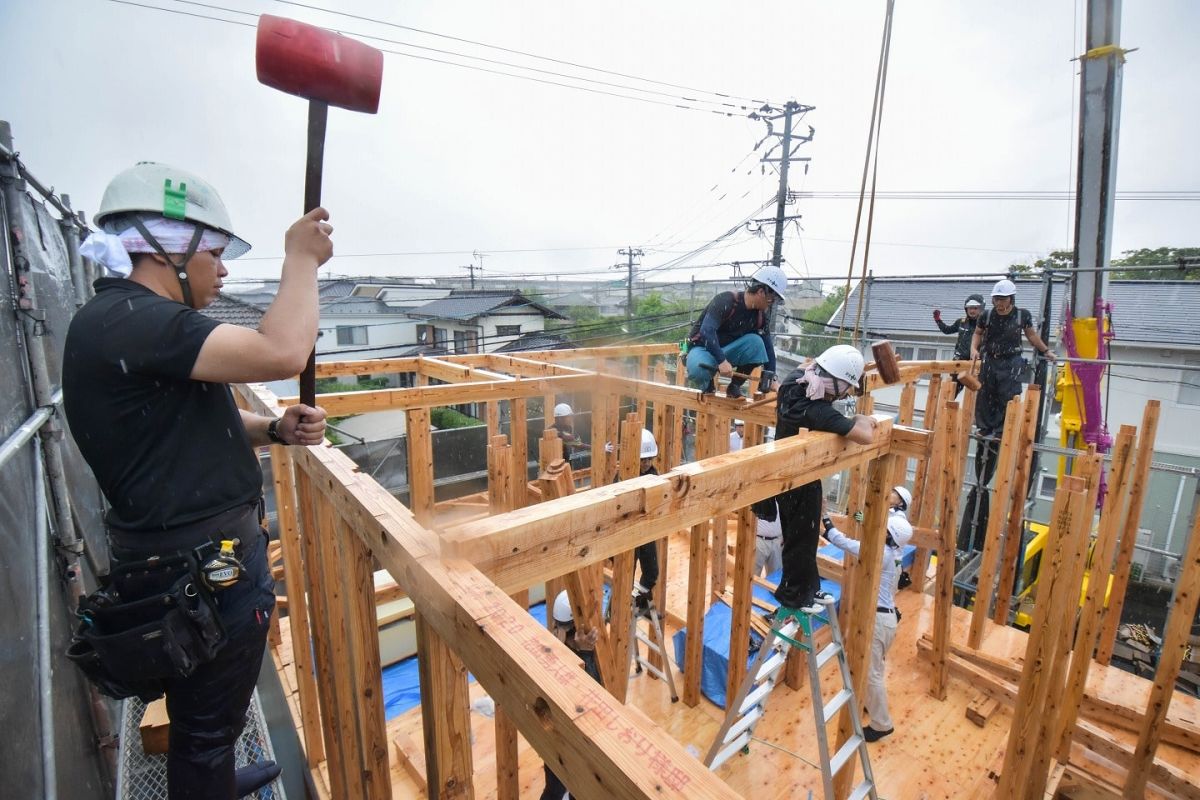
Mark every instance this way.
x=653 y=645
x=794 y=628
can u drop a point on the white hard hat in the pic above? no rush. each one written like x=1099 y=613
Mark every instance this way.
x=162 y=190
x=649 y=446
x=842 y=362
x=739 y=422
x=773 y=278
x=562 y=608
x=563 y=410
x=1004 y=288
x=905 y=495
x=900 y=529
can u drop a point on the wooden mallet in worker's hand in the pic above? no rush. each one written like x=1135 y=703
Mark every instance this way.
x=327 y=69
x=886 y=362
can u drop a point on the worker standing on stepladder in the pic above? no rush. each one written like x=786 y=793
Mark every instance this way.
x=997 y=341
x=734 y=333
x=887 y=615
x=806 y=401
x=965 y=328
x=646 y=554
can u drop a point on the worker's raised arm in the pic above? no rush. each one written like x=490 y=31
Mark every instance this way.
x=280 y=347
x=864 y=430
x=839 y=539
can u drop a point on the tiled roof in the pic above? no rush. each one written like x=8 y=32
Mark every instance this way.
x=352 y=304
x=1154 y=312
x=469 y=306
x=227 y=308
x=534 y=340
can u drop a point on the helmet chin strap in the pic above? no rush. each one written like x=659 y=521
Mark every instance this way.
x=179 y=269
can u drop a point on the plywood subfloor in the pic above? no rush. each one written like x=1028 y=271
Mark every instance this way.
x=936 y=751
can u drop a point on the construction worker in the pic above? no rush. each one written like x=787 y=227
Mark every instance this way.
x=737 y=436
x=564 y=424
x=582 y=644
x=734 y=333
x=646 y=554
x=887 y=616
x=806 y=401
x=145 y=391
x=997 y=341
x=964 y=326
x=768 y=540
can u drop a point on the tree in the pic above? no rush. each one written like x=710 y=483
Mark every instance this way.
x=1185 y=261
x=1056 y=260
x=816 y=336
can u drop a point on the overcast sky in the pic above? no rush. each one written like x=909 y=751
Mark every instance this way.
x=550 y=180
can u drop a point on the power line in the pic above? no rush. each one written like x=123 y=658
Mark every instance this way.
x=1183 y=195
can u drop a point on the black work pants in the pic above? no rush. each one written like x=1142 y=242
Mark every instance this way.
x=208 y=708
x=647 y=557
x=1000 y=380
x=800 y=518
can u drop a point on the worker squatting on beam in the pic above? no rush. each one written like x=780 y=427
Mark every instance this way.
x=997 y=340
x=887 y=614
x=734 y=334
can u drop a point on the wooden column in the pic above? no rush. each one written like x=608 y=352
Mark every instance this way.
x=1054 y=597
x=859 y=635
x=908 y=402
x=420 y=465
x=550 y=449
x=493 y=418
x=693 y=658
x=1137 y=495
x=996 y=521
x=643 y=374
x=951 y=477
x=620 y=603
x=502 y=481
x=708 y=444
x=928 y=485
x=601 y=469
x=1175 y=642
x=1016 y=511
x=446 y=716
x=297 y=610
x=1100 y=570
x=743 y=573
x=519 y=436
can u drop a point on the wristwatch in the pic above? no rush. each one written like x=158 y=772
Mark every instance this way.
x=273 y=432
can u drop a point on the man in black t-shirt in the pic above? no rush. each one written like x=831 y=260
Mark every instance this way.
x=734 y=333
x=145 y=392
x=806 y=401
x=997 y=341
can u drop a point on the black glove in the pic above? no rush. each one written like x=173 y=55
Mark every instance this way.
x=937 y=315
x=827 y=523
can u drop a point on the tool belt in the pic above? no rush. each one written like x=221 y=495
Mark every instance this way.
x=155 y=619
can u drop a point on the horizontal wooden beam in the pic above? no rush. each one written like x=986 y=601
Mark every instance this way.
x=541 y=542
x=911 y=442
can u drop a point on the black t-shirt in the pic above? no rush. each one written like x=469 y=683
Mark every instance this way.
x=166 y=450
x=793 y=410
x=1002 y=334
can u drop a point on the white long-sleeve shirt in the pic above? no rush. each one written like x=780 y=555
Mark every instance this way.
x=889 y=580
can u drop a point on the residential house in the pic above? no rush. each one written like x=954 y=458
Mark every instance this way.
x=480 y=322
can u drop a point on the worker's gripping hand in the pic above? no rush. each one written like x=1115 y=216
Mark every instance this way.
x=308 y=238
x=937 y=315
x=858 y=516
x=303 y=425
x=725 y=368
x=586 y=641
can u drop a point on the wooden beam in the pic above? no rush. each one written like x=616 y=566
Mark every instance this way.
x=996 y=520
x=420 y=464
x=1016 y=511
x=1137 y=495
x=951 y=478
x=529 y=545
x=1175 y=642
x=447 y=395
x=445 y=716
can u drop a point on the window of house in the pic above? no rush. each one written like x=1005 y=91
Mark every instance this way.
x=905 y=353
x=440 y=337
x=508 y=330
x=1047 y=484
x=351 y=334
x=460 y=342
x=1189 y=384
x=927 y=354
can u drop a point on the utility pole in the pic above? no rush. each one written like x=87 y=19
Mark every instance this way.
x=471 y=269
x=789 y=143
x=630 y=252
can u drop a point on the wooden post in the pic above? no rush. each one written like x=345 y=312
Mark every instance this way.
x=951 y=477
x=600 y=465
x=445 y=715
x=739 y=631
x=493 y=419
x=293 y=571
x=519 y=436
x=908 y=401
x=996 y=520
x=928 y=485
x=1053 y=592
x=643 y=374
x=693 y=659
x=550 y=449
x=1175 y=642
x=420 y=465
x=1016 y=511
x=1100 y=569
x=1137 y=494
x=620 y=603
x=501 y=482
x=861 y=631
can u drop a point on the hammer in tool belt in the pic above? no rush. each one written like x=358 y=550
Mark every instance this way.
x=327 y=69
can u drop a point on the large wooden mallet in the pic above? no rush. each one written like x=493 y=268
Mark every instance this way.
x=327 y=69
x=886 y=362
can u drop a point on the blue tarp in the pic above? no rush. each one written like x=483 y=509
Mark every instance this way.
x=717 y=624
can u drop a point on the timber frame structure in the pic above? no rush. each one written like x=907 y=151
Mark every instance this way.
x=468 y=580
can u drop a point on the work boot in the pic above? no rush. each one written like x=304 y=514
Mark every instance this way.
x=734 y=390
x=641 y=603
x=872 y=735
x=817 y=604
x=252 y=777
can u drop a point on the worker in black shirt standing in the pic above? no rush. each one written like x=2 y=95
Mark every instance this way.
x=582 y=644
x=965 y=328
x=734 y=333
x=145 y=391
x=997 y=340
x=806 y=401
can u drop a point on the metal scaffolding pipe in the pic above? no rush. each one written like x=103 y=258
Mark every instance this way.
x=42 y=581
x=17 y=439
